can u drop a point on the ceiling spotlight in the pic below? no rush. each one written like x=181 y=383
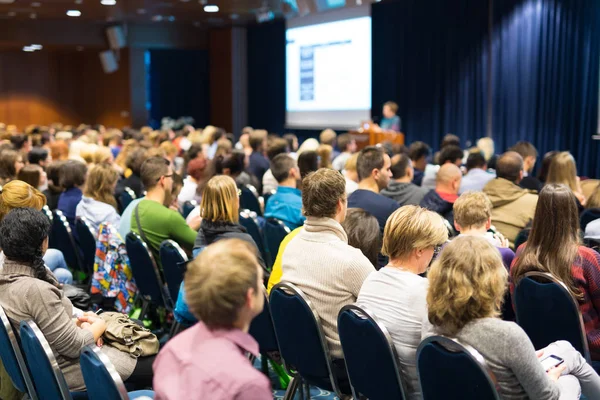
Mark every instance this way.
x=211 y=8
x=108 y=2
x=28 y=49
x=74 y=13
x=36 y=46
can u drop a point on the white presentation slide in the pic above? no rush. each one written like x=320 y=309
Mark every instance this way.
x=328 y=74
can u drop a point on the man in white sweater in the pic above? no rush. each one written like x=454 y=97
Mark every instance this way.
x=319 y=260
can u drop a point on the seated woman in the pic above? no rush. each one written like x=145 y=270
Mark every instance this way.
x=17 y=194
x=98 y=203
x=554 y=246
x=563 y=170
x=396 y=293
x=29 y=292
x=466 y=288
x=72 y=180
x=363 y=233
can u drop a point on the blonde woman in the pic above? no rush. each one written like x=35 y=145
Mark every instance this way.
x=325 y=151
x=466 y=288
x=220 y=213
x=564 y=170
x=396 y=293
x=98 y=203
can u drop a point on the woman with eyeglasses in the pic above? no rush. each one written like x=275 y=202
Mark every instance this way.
x=396 y=293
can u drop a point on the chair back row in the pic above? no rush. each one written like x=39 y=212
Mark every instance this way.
x=269 y=239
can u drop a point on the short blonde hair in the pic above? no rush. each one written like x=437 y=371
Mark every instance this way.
x=410 y=228
x=169 y=148
x=472 y=209
x=563 y=170
x=220 y=200
x=217 y=281
x=466 y=282
x=18 y=194
x=351 y=163
x=327 y=137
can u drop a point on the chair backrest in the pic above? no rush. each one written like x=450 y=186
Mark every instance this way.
x=267 y=195
x=46 y=210
x=100 y=375
x=126 y=197
x=370 y=355
x=12 y=358
x=249 y=220
x=47 y=377
x=301 y=338
x=262 y=329
x=274 y=232
x=87 y=243
x=548 y=312
x=173 y=260
x=188 y=207
x=588 y=216
x=61 y=238
x=449 y=370
x=145 y=271
x=249 y=199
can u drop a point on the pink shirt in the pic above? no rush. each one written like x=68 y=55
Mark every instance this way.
x=203 y=364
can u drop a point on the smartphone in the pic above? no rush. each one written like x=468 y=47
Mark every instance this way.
x=99 y=311
x=551 y=361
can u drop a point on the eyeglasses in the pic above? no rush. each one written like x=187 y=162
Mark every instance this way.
x=165 y=176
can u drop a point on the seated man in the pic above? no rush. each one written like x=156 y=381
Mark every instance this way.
x=347 y=147
x=445 y=194
x=224 y=291
x=401 y=189
x=448 y=155
x=419 y=152
x=529 y=154
x=319 y=260
x=152 y=218
x=286 y=203
x=477 y=176
x=473 y=217
x=514 y=206
x=257 y=162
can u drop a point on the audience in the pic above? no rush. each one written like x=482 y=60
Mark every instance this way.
x=373 y=167
x=276 y=147
x=72 y=180
x=563 y=170
x=34 y=175
x=546 y=161
x=325 y=152
x=223 y=288
x=466 y=289
x=258 y=163
x=442 y=198
x=328 y=137
x=554 y=246
x=39 y=156
x=513 y=206
x=419 y=154
x=390 y=121
x=449 y=154
x=308 y=161
x=363 y=233
x=98 y=204
x=11 y=162
x=286 y=203
x=396 y=293
x=347 y=147
x=486 y=146
x=54 y=189
x=529 y=154
x=323 y=242
x=401 y=188
x=196 y=170
x=292 y=144
x=477 y=176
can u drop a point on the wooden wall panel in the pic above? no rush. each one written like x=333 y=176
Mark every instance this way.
x=221 y=85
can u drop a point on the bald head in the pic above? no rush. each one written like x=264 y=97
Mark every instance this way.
x=510 y=167
x=448 y=179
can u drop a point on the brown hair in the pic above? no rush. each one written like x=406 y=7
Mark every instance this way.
x=466 y=282
x=53 y=172
x=100 y=184
x=152 y=170
x=220 y=200
x=59 y=150
x=343 y=141
x=392 y=105
x=327 y=136
x=72 y=174
x=18 y=194
x=276 y=147
x=594 y=200
x=563 y=170
x=325 y=151
x=257 y=137
x=31 y=174
x=217 y=282
x=472 y=209
x=8 y=158
x=281 y=166
x=369 y=158
x=509 y=166
x=169 y=148
x=553 y=243
x=363 y=233
x=321 y=191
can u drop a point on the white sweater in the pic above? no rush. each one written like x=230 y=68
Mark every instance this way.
x=328 y=270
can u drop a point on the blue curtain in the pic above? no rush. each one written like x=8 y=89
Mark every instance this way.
x=545 y=76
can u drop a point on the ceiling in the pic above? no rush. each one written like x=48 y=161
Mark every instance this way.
x=158 y=11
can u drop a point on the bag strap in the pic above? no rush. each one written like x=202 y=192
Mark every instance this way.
x=139 y=225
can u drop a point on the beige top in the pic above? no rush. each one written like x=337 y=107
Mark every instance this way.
x=25 y=297
x=328 y=270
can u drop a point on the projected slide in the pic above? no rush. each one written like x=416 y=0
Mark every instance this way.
x=329 y=74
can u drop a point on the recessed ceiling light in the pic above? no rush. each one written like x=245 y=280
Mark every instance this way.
x=108 y=2
x=36 y=46
x=211 y=8
x=74 y=13
x=36 y=4
x=28 y=49
x=12 y=14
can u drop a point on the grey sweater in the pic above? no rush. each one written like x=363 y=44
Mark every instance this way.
x=405 y=193
x=511 y=356
x=25 y=297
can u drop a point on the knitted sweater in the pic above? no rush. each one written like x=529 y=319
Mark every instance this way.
x=328 y=270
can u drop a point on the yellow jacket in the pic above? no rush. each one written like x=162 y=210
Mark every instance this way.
x=277 y=272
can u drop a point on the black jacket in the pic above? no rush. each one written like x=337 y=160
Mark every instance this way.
x=433 y=202
x=211 y=232
x=134 y=182
x=531 y=183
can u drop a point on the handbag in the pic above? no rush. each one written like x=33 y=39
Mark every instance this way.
x=125 y=335
x=78 y=297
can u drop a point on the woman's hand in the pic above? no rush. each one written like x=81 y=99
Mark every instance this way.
x=555 y=373
x=96 y=325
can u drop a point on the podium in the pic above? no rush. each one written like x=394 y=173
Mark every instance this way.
x=370 y=136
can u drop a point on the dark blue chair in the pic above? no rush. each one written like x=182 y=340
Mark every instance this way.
x=302 y=342
x=126 y=197
x=102 y=379
x=547 y=312
x=448 y=370
x=173 y=260
x=61 y=238
x=146 y=274
x=12 y=359
x=587 y=216
x=266 y=197
x=46 y=210
x=263 y=331
x=47 y=377
x=274 y=232
x=188 y=207
x=249 y=220
x=370 y=355
x=87 y=243
x=249 y=199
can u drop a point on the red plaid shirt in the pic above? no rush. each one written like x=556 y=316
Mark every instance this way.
x=586 y=274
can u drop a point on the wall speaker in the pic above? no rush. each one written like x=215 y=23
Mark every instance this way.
x=116 y=37
x=109 y=61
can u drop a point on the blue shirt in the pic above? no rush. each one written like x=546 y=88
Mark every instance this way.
x=392 y=124
x=258 y=165
x=67 y=203
x=378 y=205
x=286 y=205
x=475 y=180
x=125 y=224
